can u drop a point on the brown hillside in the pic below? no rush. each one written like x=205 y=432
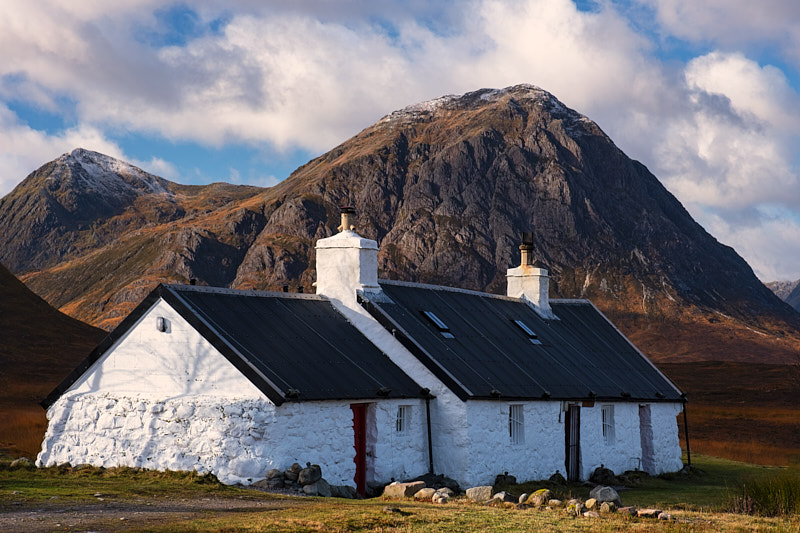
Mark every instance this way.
x=39 y=346
x=446 y=187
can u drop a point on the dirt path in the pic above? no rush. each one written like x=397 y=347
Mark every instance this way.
x=106 y=514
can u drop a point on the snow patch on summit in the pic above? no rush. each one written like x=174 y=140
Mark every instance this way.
x=108 y=175
x=572 y=120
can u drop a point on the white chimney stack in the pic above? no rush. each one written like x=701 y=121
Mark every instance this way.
x=346 y=263
x=530 y=280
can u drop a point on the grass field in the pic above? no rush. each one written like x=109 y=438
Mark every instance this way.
x=122 y=499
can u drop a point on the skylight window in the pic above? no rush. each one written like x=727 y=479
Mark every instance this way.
x=532 y=336
x=440 y=325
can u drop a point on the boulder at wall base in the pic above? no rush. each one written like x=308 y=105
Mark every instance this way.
x=293 y=472
x=319 y=488
x=479 y=494
x=605 y=494
x=310 y=474
x=504 y=479
x=603 y=476
x=540 y=497
x=558 y=479
x=343 y=491
x=402 y=490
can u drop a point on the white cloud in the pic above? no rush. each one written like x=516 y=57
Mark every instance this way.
x=720 y=131
x=733 y=24
x=23 y=149
x=771 y=244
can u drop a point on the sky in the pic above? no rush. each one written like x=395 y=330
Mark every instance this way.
x=705 y=93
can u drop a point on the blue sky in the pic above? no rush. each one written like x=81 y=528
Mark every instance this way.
x=706 y=94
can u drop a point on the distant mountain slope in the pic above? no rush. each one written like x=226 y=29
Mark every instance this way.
x=446 y=187
x=787 y=291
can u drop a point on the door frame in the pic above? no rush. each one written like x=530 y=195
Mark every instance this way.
x=572 y=441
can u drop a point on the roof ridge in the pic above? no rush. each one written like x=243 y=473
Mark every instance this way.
x=243 y=292
x=445 y=288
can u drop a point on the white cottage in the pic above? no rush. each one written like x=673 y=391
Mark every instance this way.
x=371 y=379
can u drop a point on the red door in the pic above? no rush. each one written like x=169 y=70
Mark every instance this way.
x=360 y=445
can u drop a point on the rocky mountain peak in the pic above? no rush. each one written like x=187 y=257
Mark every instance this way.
x=88 y=171
x=446 y=187
x=523 y=95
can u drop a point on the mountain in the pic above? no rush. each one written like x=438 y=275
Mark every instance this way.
x=788 y=291
x=446 y=187
x=39 y=346
x=38 y=342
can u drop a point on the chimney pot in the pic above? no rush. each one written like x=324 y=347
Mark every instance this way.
x=530 y=280
x=348 y=218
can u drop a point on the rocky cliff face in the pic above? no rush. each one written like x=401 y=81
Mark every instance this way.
x=446 y=187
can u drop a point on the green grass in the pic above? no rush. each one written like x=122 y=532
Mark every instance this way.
x=768 y=494
x=31 y=484
x=698 y=502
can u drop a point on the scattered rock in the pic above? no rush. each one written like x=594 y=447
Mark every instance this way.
x=523 y=497
x=22 y=462
x=627 y=511
x=558 y=479
x=608 y=507
x=648 y=513
x=425 y=494
x=664 y=516
x=447 y=491
x=437 y=481
x=575 y=507
x=479 y=494
x=540 y=497
x=602 y=493
x=440 y=497
x=591 y=503
x=553 y=504
x=309 y=474
x=389 y=509
x=503 y=496
x=591 y=514
x=603 y=476
x=402 y=490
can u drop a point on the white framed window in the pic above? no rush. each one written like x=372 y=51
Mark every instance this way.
x=403 y=422
x=608 y=423
x=516 y=424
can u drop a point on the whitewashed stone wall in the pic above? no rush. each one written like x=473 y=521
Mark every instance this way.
x=171 y=364
x=666 y=442
x=236 y=439
x=449 y=425
x=624 y=452
x=491 y=451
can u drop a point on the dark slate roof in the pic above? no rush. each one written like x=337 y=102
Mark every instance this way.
x=581 y=356
x=293 y=347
